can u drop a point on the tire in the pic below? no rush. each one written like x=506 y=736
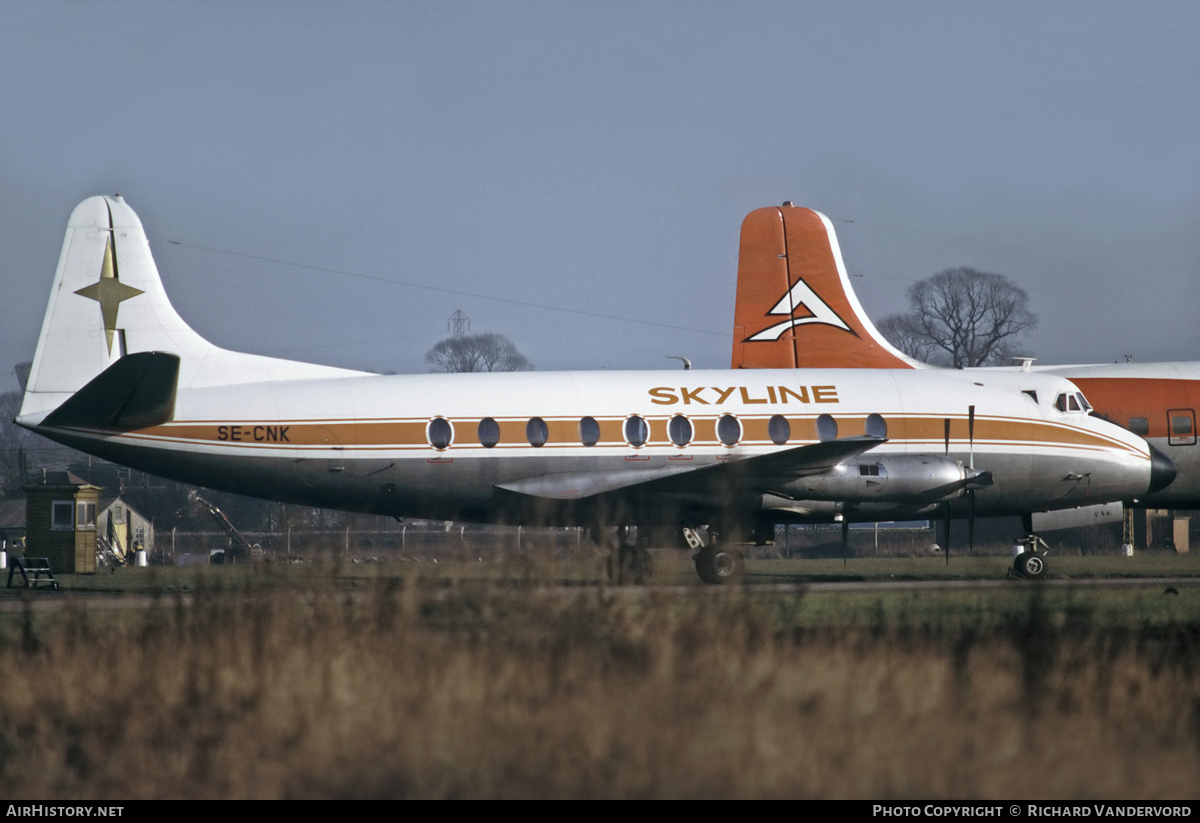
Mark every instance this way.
x=1030 y=565
x=626 y=565
x=719 y=566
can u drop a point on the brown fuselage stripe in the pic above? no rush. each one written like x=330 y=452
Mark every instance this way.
x=564 y=433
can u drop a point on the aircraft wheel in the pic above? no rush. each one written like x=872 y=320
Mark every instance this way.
x=1030 y=565
x=717 y=566
x=628 y=565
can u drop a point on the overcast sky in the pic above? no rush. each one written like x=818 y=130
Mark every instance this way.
x=599 y=158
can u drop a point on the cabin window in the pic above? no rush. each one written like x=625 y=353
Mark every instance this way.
x=869 y=471
x=827 y=428
x=62 y=515
x=729 y=430
x=1181 y=425
x=680 y=430
x=440 y=433
x=536 y=432
x=876 y=426
x=1139 y=425
x=779 y=430
x=589 y=431
x=637 y=432
x=489 y=432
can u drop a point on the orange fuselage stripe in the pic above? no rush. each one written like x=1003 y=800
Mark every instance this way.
x=927 y=431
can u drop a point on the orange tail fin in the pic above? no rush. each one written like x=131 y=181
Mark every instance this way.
x=795 y=307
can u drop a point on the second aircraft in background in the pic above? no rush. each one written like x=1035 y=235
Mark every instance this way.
x=796 y=309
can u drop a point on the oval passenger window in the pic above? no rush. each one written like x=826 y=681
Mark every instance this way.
x=589 y=431
x=440 y=433
x=636 y=431
x=729 y=430
x=826 y=428
x=779 y=430
x=489 y=432
x=680 y=430
x=536 y=432
x=876 y=426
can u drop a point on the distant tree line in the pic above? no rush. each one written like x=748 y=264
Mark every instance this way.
x=480 y=352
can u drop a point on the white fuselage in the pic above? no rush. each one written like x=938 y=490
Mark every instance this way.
x=363 y=443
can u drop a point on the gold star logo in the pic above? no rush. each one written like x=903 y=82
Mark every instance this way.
x=109 y=292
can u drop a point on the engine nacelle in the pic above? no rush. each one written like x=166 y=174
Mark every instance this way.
x=905 y=478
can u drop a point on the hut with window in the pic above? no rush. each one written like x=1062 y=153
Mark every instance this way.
x=60 y=522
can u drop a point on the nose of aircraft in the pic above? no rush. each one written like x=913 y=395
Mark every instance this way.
x=1162 y=471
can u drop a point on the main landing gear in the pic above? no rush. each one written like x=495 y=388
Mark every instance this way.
x=1030 y=562
x=715 y=564
x=627 y=562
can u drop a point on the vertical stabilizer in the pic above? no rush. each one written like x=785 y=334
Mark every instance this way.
x=795 y=307
x=108 y=301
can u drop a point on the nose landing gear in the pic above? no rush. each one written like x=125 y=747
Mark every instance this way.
x=1030 y=562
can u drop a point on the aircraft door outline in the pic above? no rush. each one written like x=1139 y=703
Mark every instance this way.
x=1181 y=427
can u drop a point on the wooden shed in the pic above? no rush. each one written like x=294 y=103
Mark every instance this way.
x=60 y=522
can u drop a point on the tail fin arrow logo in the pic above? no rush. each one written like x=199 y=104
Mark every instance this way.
x=800 y=295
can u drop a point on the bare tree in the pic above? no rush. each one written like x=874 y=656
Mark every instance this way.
x=961 y=317
x=486 y=351
x=904 y=332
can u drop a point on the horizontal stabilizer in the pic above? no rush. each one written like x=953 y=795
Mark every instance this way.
x=108 y=301
x=794 y=462
x=135 y=392
x=1079 y=517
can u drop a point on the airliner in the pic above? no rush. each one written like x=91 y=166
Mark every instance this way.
x=795 y=308
x=118 y=374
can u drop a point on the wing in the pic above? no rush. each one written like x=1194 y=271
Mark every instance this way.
x=745 y=473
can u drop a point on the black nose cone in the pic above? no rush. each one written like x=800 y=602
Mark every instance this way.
x=1162 y=471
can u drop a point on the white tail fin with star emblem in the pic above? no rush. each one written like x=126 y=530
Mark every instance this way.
x=108 y=301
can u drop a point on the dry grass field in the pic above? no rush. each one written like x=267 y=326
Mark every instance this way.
x=396 y=682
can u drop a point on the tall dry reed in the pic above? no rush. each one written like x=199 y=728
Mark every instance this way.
x=470 y=690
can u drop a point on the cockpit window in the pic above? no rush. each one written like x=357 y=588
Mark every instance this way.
x=1071 y=402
